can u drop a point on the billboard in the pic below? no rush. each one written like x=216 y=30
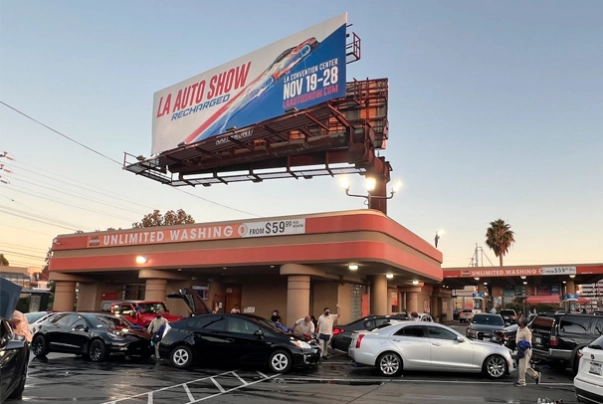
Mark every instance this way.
x=300 y=71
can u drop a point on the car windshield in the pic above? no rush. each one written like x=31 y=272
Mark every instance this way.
x=33 y=317
x=488 y=320
x=596 y=344
x=151 y=308
x=108 y=322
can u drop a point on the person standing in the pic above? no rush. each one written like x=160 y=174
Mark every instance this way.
x=523 y=339
x=414 y=316
x=275 y=317
x=324 y=329
x=236 y=310
x=156 y=328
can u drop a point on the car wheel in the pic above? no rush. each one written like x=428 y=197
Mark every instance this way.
x=96 y=350
x=389 y=364
x=181 y=357
x=279 y=362
x=39 y=346
x=18 y=392
x=495 y=366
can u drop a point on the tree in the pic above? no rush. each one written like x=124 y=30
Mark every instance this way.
x=3 y=261
x=499 y=237
x=44 y=275
x=170 y=218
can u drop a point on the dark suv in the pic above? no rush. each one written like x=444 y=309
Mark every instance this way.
x=557 y=339
x=342 y=335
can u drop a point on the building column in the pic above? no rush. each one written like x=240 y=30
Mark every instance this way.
x=412 y=302
x=570 y=288
x=379 y=295
x=298 y=297
x=64 y=296
x=155 y=290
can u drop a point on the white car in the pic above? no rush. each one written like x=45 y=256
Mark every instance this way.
x=589 y=380
x=430 y=347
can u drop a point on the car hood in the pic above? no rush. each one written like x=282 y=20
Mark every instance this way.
x=193 y=300
x=9 y=296
x=486 y=327
x=490 y=345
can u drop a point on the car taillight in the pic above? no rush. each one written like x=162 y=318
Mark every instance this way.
x=359 y=340
x=337 y=331
x=553 y=340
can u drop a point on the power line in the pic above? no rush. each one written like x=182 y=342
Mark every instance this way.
x=46 y=197
x=23 y=247
x=83 y=185
x=31 y=231
x=23 y=255
x=19 y=203
x=58 y=133
x=37 y=220
x=41 y=217
x=113 y=160
x=78 y=196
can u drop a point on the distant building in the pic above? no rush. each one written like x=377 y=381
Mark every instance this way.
x=593 y=292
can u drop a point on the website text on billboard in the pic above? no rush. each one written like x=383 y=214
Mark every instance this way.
x=300 y=71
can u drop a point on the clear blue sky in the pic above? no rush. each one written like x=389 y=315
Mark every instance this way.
x=496 y=111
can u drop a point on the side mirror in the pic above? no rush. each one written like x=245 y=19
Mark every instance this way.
x=80 y=327
x=460 y=339
x=259 y=334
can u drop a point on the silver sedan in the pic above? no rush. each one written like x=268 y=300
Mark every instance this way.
x=429 y=347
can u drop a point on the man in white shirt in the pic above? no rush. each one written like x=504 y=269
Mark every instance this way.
x=304 y=325
x=154 y=328
x=324 y=330
x=236 y=310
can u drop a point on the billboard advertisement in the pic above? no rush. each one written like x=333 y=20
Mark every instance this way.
x=300 y=71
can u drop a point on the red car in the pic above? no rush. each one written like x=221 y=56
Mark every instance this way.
x=141 y=312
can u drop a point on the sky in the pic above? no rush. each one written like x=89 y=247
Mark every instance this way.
x=495 y=111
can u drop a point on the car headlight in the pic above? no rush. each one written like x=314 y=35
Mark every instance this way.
x=115 y=336
x=301 y=344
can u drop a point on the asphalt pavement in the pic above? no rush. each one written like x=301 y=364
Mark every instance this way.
x=66 y=378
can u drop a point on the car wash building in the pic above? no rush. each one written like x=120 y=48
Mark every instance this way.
x=362 y=260
x=533 y=285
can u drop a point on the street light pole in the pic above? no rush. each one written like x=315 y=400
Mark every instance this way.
x=370 y=187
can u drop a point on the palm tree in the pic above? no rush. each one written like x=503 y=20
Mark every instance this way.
x=499 y=237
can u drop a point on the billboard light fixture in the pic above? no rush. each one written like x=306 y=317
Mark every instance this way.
x=181 y=144
x=231 y=129
x=140 y=158
x=291 y=111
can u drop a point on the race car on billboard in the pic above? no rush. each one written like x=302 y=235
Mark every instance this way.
x=282 y=65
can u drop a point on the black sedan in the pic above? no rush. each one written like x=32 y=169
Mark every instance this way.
x=14 y=351
x=240 y=339
x=342 y=335
x=93 y=335
x=484 y=326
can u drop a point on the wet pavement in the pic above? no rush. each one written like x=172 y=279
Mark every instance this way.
x=69 y=379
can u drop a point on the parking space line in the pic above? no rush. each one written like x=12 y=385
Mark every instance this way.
x=240 y=378
x=218 y=385
x=403 y=380
x=261 y=374
x=188 y=393
x=231 y=390
x=150 y=394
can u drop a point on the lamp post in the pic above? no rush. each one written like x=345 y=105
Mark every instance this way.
x=370 y=185
x=438 y=235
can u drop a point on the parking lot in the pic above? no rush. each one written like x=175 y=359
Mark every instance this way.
x=66 y=378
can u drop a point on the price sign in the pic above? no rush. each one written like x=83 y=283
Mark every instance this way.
x=273 y=228
x=558 y=271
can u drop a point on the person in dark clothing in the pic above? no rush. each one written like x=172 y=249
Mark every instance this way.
x=275 y=317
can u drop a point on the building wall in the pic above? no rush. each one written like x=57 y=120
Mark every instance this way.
x=344 y=297
x=266 y=295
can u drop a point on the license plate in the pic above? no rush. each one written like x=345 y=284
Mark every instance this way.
x=596 y=368
x=537 y=340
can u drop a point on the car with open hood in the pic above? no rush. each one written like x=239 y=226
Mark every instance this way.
x=94 y=335
x=241 y=339
x=14 y=350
